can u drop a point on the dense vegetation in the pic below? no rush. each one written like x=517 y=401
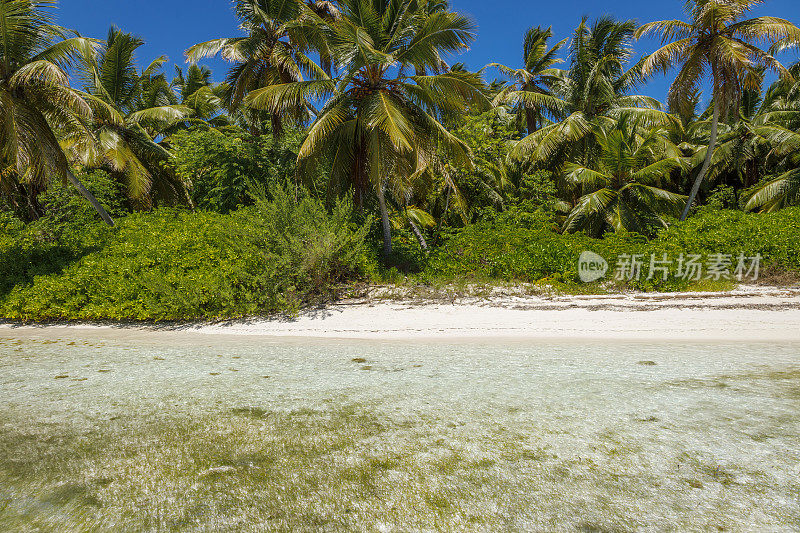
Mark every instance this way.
x=513 y=247
x=173 y=263
x=343 y=147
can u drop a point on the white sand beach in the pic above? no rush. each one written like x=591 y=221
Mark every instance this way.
x=744 y=314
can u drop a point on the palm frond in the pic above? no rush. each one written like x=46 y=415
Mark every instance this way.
x=587 y=178
x=777 y=193
x=381 y=111
x=455 y=87
x=230 y=49
x=160 y=114
x=286 y=96
x=592 y=212
x=40 y=71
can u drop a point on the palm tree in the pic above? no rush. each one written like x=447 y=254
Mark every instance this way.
x=195 y=79
x=132 y=110
x=532 y=82
x=780 y=129
x=272 y=52
x=624 y=188
x=196 y=91
x=380 y=128
x=750 y=143
x=596 y=88
x=716 y=41
x=36 y=99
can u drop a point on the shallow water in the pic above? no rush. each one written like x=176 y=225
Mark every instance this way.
x=178 y=431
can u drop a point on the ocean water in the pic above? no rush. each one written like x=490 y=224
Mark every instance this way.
x=123 y=430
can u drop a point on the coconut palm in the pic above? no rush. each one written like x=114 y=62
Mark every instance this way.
x=625 y=187
x=531 y=91
x=380 y=128
x=743 y=150
x=195 y=79
x=132 y=110
x=272 y=53
x=779 y=192
x=596 y=89
x=37 y=102
x=196 y=91
x=716 y=42
x=780 y=129
x=21 y=196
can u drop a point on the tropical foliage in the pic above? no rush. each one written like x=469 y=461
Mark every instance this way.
x=380 y=128
x=131 y=110
x=523 y=247
x=717 y=41
x=595 y=91
x=623 y=189
x=272 y=53
x=172 y=264
x=534 y=82
x=361 y=109
x=37 y=102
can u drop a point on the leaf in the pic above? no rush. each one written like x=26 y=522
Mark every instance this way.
x=282 y=97
x=166 y=114
x=382 y=111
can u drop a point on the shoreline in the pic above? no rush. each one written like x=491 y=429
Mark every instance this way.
x=758 y=314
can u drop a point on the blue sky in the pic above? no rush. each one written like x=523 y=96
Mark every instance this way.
x=171 y=26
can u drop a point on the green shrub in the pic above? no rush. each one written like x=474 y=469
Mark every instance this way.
x=174 y=265
x=70 y=229
x=722 y=197
x=289 y=250
x=62 y=203
x=222 y=166
x=528 y=248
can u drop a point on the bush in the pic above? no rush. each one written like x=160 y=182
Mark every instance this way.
x=62 y=203
x=69 y=230
x=722 y=197
x=528 y=248
x=174 y=265
x=221 y=167
x=288 y=250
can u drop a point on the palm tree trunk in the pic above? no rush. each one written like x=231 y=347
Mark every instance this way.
x=387 y=229
x=751 y=177
x=33 y=211
x=441 y=218
x=530 y=120
x=418 y=234
x=31 y=195
x=90 y=197
x=706 y=164
x=277 y=126
x=313 y=109
x=186 y=196
x=359 y=178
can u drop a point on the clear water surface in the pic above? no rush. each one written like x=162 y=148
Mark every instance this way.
x=174 y=431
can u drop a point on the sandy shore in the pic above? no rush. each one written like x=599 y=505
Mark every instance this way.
x=746 y=314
